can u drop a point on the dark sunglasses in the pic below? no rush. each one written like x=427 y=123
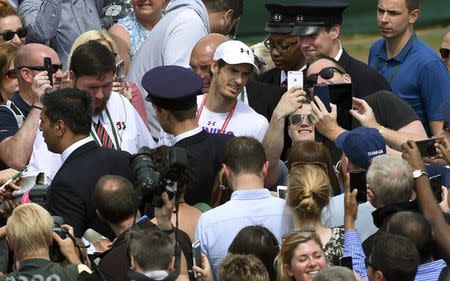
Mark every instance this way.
x=326 y=73
x=11 y=74
x=445 y=53
x=55 y=67
x=445 y=127
x=296 y=119
x=9 y=35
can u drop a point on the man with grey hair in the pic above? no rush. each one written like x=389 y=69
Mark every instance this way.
x=390 y=181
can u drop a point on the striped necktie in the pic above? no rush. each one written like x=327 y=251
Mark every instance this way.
x=102 y=134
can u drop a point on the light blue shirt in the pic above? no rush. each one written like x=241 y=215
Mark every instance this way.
x=217 y=227
x=430 y=271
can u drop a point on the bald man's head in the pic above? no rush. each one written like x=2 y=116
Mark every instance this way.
x=202 y=57
x=32 y=55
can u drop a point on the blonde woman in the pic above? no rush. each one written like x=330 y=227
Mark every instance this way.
x=308 y=194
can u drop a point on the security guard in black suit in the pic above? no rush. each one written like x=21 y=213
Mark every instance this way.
x=173 y=92
x=318 y=26
x=283 y=47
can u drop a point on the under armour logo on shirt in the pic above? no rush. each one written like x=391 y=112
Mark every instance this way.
x=247 y=51
x=211 y=123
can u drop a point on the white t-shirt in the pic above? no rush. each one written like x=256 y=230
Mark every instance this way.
x=129 y=130
x=244 y=122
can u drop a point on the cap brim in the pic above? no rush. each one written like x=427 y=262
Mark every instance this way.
x=279 y=29
x=304 y=30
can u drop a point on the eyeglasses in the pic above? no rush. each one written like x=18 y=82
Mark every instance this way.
x=445 y=127
x=280 y=48
x=320 y=165
x=11 y=74
x=9 y=35
x=305 y=230
x=326 y=73
x=55 y=67
x=296 y=119
x=445 y=53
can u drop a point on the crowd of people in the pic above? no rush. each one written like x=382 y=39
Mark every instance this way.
x=167 y=150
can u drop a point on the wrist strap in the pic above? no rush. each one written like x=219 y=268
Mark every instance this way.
x=36 y=106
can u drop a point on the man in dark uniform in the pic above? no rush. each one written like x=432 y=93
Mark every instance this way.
x=318 y=27
x=66 y=121
x=283 y=47
x=173 y=92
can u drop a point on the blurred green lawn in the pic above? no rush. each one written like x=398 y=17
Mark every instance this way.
x=358 y=45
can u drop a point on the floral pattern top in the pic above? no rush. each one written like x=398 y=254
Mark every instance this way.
x=136 y=31
x=334 y=249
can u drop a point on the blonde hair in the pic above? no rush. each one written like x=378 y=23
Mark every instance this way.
x=92 y=35
x=308 y=191
x=287 y=250
x=29 y=228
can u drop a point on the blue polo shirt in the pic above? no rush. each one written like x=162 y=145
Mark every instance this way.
x=416 y=74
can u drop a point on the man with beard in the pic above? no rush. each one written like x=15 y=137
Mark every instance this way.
x=115 y=122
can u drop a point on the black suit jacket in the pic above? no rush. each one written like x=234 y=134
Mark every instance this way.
x=365 y=80
x=272 y=76
x=263 y=97
x=207 y=152
x=71 y=191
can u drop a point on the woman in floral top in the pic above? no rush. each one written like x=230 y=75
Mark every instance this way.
x=130 y=32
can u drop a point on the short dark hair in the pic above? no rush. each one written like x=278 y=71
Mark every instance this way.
x=395 y=256
x=92 y=59
x=181 y=115
x=416 y=228
x=72 y=106
x=244 y=155
x=412 y=5
x=313 y=59
x=242 y=267
x=118 y=203
x=259 y=241
x=152 y=249
x=224 y=5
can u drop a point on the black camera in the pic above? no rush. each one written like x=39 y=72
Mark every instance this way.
x=54 y=251
x=151 y=182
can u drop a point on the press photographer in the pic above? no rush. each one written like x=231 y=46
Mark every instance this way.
x=30 y=233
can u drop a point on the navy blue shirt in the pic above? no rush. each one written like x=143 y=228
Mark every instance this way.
x=8 y=122
x=417 y=75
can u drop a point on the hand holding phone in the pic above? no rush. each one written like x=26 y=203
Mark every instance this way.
x=196 y=255
x=49 y=68
x=294 y=78
x=358 y=181
x=347 y=262
x=427 y=147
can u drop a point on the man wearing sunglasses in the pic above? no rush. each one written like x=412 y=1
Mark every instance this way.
x=413 y=69
x=445 y=49
x=318 y=27
x=283 y=47
x=393 y=117
x=19 y=122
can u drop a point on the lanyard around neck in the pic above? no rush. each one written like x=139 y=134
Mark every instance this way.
x=227 y=120
x=113 y=129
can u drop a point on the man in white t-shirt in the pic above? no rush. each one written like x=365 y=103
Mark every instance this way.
x=220 y=111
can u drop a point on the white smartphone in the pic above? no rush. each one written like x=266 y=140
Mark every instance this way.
x=294 y=78
x=197 y=255
x=282 y=191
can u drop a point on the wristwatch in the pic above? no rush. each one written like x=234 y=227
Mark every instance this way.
x=418 y=173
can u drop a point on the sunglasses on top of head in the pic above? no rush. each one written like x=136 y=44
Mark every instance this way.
x=9 y=35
